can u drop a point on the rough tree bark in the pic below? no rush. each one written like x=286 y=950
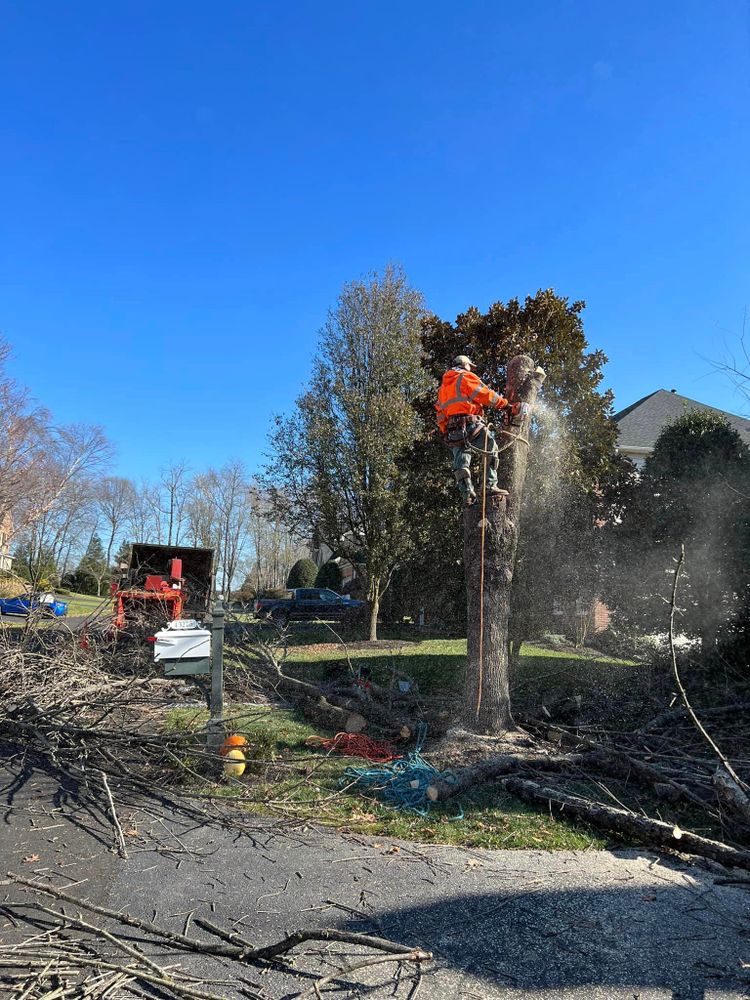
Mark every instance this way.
x=486 y=707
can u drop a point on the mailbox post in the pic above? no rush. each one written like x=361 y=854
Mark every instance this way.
x=216 y=719
x=187 y=650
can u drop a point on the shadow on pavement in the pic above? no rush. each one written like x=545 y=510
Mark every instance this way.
x=680 y=939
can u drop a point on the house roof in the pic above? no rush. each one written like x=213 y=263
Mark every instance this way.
x=641 y=423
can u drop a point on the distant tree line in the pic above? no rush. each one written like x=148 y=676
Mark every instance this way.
x=71 y=520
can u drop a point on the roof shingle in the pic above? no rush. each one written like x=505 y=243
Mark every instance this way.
x=641 y=423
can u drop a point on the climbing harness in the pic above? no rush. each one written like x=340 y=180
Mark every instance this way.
x=404 y=783
x=462 y=429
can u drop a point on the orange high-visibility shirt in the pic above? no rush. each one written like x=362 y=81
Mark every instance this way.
x=462 y=391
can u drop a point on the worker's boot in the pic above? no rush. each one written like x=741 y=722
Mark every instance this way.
x=470 y=498
x=495 y=491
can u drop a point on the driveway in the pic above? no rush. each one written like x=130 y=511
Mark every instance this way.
x=502 y=924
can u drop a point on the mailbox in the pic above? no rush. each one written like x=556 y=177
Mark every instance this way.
x=184 y=648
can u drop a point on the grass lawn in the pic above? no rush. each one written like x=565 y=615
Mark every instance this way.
x=309 y=783
x=439 y=665
x=79 y=605
x=86 y=604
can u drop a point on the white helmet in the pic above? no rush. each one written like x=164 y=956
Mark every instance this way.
x=461 y=361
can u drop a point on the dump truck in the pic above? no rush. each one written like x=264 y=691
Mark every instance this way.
x=161 y=584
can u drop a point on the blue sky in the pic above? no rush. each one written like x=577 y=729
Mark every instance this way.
x=185 y=187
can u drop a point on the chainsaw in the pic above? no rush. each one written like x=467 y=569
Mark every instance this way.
x=516 y=413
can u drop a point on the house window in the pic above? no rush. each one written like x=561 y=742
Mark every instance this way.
x=557 y=606
x=582 y=607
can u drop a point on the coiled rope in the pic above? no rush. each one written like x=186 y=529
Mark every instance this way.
x=404 y=783
x=358 y=745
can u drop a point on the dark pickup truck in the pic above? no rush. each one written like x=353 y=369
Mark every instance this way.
x=306 y=604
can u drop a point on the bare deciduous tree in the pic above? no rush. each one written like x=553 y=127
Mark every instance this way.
x=335 y=468
x=175 y=484
x=114 y=502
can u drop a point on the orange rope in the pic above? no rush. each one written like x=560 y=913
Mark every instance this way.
x=359 y=745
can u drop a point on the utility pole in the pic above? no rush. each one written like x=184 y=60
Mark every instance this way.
x=490 y=545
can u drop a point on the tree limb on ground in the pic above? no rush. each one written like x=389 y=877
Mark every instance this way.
x=652 y=832
x=229 y=946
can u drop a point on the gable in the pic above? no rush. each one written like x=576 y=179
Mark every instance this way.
x=641 y=423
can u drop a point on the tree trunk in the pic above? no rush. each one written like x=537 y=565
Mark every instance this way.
x=374 y=609
x=649 y=831
x=492 y=526
x=495 y=767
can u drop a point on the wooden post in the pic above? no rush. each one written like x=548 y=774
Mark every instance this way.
x=215 y=731
x=490 y=544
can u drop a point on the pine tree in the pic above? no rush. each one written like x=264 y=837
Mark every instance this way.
x=92 y=570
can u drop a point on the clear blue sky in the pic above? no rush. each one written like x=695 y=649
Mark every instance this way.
x=185 y=186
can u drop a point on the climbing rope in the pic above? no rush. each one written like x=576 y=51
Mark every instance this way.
x=500 y=430
x=404 y=783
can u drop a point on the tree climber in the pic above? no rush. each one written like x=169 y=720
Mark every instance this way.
x=462 y=399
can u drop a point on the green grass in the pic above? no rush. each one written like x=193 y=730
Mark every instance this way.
x=79 y=605
x=308 y=782
x=439 y=664
x=86 y=604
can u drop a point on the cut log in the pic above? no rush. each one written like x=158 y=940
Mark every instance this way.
x=652 y=832
x=730 y=793
x=490 y=544
x=356 y=723
x=494 y=767
x=328 y=716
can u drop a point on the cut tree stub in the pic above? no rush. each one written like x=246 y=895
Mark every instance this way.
x=486 y=707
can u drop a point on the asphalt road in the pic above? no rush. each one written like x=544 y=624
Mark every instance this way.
x=502 y=924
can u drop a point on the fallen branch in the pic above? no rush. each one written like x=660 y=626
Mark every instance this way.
x=715 y=712
x=238 y=951
x=352 y=713
x=121 y=848
x=494 y=767
x=68 y=921
x=648 y=831
x=680 y=687
x=407 y=956
x=730 y=793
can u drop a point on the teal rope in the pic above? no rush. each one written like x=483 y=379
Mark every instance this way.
x=403 y=784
